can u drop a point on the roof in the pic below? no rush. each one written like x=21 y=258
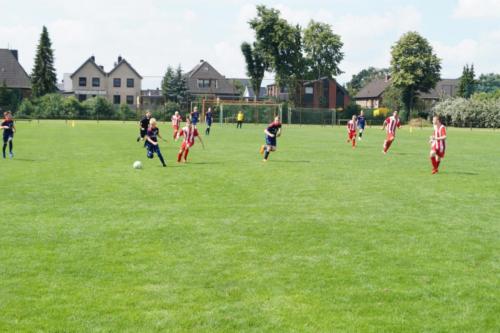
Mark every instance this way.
x=325 y=78
x=122 y=62
x=224 y=87
x=11 y=71
x=90 y=60
x=444 y=88
x=251 y=93
x=373 y=89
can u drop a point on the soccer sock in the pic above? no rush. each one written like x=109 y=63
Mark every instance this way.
x=186 y=152
x=179 y=156
x=266 y=154
x=11 y=145
x=354 y=142
x=3 y=149
x=387 y=145
x=360 y=134
x=434 y=164
x=160 y=156
x=438 y=162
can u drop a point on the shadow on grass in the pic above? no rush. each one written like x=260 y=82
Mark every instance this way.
x=288 y=161
x=24 y=159
x=462 y=173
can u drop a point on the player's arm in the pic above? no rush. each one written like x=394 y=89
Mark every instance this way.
x=161 y=137
x=14 y=129
x=268 y=133
x=151 y=141
x=384 y=125
x=279 y=132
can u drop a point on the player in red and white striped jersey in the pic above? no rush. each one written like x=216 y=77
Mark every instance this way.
x=189 y=132
x=351 y=130
x=176 y=123
x=390 y=126
x=438 y=143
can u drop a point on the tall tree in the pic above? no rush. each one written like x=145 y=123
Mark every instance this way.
x=256 y=66
x=414 y=67
x=488 y=82
x=322 y=50
x=168 y=84
x=43 y=78
x=181 y=86
x=467 y=85
x=281 y=46
x=365 y=76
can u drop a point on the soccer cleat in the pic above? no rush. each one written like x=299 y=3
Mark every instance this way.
x=11 y=155
x=138 y=139
x=434 y=171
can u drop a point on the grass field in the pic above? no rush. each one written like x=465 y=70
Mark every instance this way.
x=322 y=238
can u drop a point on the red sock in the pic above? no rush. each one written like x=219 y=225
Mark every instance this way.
x=354 y=142
x=434 y=163
x=179 y=156
x=437 y=163
x=186 y=152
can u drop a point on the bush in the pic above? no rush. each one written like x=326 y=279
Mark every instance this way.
x=26 y=109
x=125 y=112
x=473 y=112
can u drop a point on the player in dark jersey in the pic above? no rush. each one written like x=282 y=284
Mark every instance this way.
x=208 y=120
x=8 y=133
x=195 y=116
x=361 y=124
x=272 y=132
x=152 y=135
x=143 y=127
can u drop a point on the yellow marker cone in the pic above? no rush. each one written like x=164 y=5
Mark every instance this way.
x=73 y=123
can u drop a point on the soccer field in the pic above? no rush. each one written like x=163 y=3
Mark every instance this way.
x=321 y=238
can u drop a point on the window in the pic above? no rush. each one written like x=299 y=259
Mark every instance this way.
x=117 y=83
x=81 y=97
x=130 y=99
x=96 y=82
x=130 y=83
x=116 y=99
x=309 y=90
x=202 y=83
x=215 y=83
x=82 y=81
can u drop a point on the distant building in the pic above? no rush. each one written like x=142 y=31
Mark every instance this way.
x=152 y=99
x=248 y=92
x=323 y=93
x=122 y=85
x=12 y=74
x=279 y=93
x=205 y=81
x=372 y=95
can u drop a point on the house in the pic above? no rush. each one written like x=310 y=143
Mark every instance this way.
x=323 y=93
x=371 y=96
x=122 y=85
x=205 y=81
x=12 y=74
x=279 y=93
x=248 y=92
x=152 y=99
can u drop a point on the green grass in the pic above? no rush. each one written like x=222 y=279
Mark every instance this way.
x=321 y=238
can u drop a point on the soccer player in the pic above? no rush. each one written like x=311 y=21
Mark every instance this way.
x=239 y=119
x=143 y=126
x=152 y=135
x=195 y=116
x=351 y=131
x=438 y=144
x=390 y=125
x=208 y=121
x=272 y=132
x=189 y=132
x=361 y=125
x=176 y=122
x=8 y=133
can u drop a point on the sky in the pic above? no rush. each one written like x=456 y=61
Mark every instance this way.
x=153 y=34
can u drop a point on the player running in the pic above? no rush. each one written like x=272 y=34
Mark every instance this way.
x=351 y=131
x=8 y=133
x=143 y=126
x=361 y=125
x=195 y=116
x=176 y=122
x=272 y=132
x=390 y=125
x=208 y=120
x=438 y=144
x=152 y=135
x=189 y=132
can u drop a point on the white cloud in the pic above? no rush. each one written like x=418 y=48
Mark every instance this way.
x=477 y=9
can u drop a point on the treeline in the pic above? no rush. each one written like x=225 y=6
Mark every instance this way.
x=481 y=110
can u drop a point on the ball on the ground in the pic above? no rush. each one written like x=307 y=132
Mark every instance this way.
x=137 y=165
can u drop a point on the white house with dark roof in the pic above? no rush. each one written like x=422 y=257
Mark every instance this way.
x=205 y=81
x=122 y=85
x=12 y=74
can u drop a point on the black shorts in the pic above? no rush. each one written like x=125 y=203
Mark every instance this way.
x=143 y=133
x=7 y=137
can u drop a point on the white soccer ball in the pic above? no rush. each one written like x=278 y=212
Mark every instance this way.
x=137 y=165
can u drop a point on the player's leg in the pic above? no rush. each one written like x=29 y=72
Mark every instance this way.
x=354 y=140
x=11 y=147
x=160 y=156
x=361 y=130
x=179 y=155
x=433 y=161
x=3 y=148
x=186 y=152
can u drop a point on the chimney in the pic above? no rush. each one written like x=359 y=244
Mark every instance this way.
x=15 y=54
x=92 y=58
x=201 y=60
x=120 y=59
x=101 y=67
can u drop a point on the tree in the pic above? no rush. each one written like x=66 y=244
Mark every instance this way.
x=392 y=98
x=181 y=87
x=239 y=87
x=365 y=76
x=281 y=47
x=256 y=66
x=488 y=82
x=414 y=67
x=322 y=50
x=168 y=85
x=467 y=85
x=43 y=78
